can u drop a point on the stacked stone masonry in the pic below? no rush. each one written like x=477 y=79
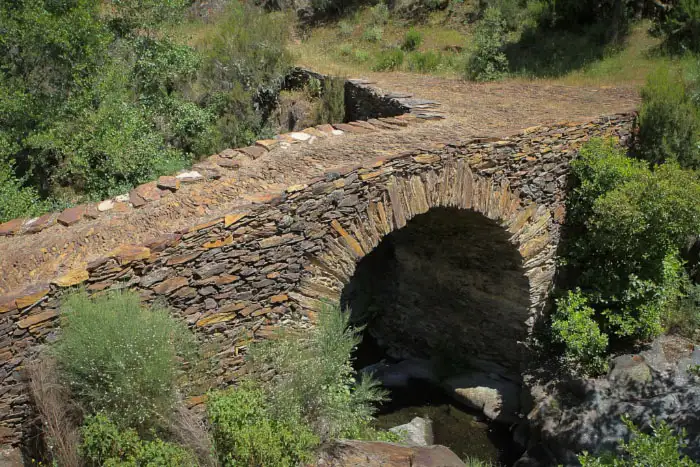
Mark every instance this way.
x=272 y=263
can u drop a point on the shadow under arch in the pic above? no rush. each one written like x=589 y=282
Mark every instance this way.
x=449 y=284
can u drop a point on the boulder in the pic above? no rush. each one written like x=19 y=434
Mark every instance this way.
x=496 y=397
x=586 y=414
x=417 y=432
x=350 y=453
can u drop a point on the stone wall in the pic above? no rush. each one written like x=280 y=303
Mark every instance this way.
x=239 y=277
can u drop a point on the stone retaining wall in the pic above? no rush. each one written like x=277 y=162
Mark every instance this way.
x=270 y=263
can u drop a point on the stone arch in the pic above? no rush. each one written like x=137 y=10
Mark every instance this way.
x=390 y=205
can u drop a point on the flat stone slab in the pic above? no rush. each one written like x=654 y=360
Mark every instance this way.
x=41 y=222
x=190 y=176
x=72 y=215
x=11 y=227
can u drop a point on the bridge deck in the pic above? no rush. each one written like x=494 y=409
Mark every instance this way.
x=471 y=110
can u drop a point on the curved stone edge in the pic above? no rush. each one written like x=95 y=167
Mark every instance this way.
x=242 y=275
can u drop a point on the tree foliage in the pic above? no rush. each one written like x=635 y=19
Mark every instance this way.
x=96 y=97
x=627 y=224
x=678 y=21
x=486 y=61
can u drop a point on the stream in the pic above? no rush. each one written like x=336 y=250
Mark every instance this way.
x=464 y=430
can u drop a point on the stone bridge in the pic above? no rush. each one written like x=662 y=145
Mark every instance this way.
x=440 y=246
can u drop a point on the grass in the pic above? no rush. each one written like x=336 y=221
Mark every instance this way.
x=341 y=48
x=352 y=54
x=442 y=48
x=627 y=65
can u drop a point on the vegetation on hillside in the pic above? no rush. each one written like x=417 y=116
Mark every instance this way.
x=96 y=97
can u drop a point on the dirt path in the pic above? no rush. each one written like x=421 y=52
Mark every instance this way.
x=493 y=109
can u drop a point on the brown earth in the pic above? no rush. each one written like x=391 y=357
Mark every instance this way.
x=493 y=109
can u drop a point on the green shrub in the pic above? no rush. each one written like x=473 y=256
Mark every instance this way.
x=345 y=29
x=96 y=98
x=109 y=149
x=412 y=40
x=17 y=200
x=628 y=224
x=360 y=56
x=470 y=461
x=684 y=319
x=345 y=50
x=314 y=379
x=486 y=61
x=660 y=448
x=424 y=62
x=573 y=325
x=331 y=105
x=246 y=433
x=389 y=60
x=120 y=358
x=372 y=34
x=245 y=62
x=379 y=14
x=680 y=25
x=105 y=444
x=669 y=121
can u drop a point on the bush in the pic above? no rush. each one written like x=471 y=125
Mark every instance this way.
x=105 y=444
x=345 y=29
x=424 y=62
x=573 y=325
x=486 y=61
x=314 y=379
x=669 y=121
x=245 y=432
x=680 y=25
x=244 y=65
x=95 y=99
x=661 y=447
x=331 y=105
x=412 y=40
x=360 y=56
x=389 y=60
x=627 y=225
x=17 y=200
x=120 y=359
x=475 y=462
x=379 y=14
x=684 y=319
x=372 y=34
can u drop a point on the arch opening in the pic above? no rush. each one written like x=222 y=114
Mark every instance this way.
x=444 y=301
x=448 y=284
